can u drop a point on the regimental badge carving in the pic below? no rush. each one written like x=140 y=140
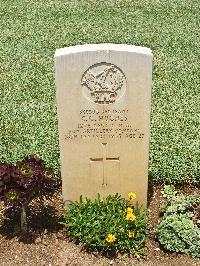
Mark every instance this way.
x=103 y=83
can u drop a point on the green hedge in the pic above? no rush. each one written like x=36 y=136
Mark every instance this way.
x=32 y=30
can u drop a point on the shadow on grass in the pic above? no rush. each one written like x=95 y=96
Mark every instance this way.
x=43 y=220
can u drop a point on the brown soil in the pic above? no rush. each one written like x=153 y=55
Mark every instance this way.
x=45 y=244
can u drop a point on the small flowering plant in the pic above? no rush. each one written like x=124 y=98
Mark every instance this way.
x=24 y=181
x=110 y=224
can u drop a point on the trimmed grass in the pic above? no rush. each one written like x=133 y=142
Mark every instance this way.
x=32 y=30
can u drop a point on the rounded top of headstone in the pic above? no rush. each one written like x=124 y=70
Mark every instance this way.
x=103 y=46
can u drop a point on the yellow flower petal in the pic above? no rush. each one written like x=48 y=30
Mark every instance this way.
x=111 y=238
x=132 y=195
x=129 y=210
x=131 y=234
x=130 y=217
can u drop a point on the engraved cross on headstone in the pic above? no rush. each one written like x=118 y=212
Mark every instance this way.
x=106 y=164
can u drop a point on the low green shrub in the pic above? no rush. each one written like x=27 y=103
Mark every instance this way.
x=169 y=192
x=178 y=233
x=178 y=203
x=178 y=230
x=111 y=224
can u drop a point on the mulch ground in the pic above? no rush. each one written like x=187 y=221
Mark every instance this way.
x=46 y=244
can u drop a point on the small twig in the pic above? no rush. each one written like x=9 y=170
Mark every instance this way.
x=23 y=219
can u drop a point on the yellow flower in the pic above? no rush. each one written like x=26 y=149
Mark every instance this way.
x=132 y=195
x=111 y=238
x=129 y=210
x=130 y=217
x=131 y=234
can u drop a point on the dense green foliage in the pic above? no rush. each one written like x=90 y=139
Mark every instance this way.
x=32 y=30
x=109 y=225
x=177 y=233
x=179 y=229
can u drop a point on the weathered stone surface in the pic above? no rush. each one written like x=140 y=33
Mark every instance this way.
x=103 y=99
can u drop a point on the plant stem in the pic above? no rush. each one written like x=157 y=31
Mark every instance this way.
x=23 y=219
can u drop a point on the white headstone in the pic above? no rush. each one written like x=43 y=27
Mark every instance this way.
x=103 y=102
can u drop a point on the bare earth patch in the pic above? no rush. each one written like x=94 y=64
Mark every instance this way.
x=45 y=244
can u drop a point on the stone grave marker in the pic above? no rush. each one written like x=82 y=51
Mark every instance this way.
x=103 y=103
